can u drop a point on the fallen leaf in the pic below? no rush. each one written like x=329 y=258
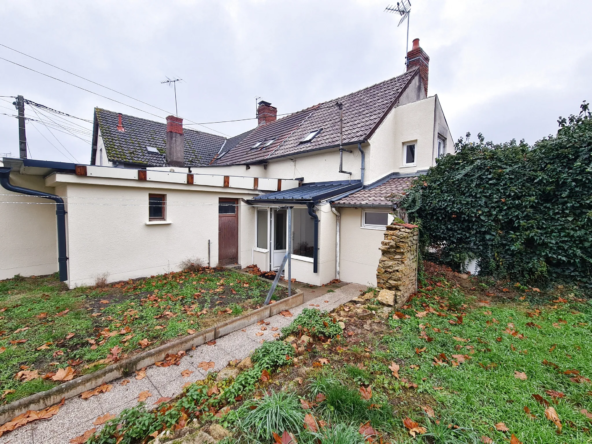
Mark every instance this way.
x=190 y=331
x=211 y=343
x=429 y=411
x=259 y=333
x=84 y=437
x=551 y=415
x=27 y=375
x=323 y=361
x=305 y=404
x=486 y=440
x=2 y=350
x=286 y=314
x=286 y=438
x=413 y=427
x=104 y=301
x=501 y=427
x=367 y=431
x=141 y=374
x=186 y=373
x=394 y=367
x=124 y=382
x=541 y=400
x=366 y=393
x=143 y=396
x=206 y=365
x=70 y=336
x=265 y=376
x=64 y=374
x=163 y=399
x=320 y=398
x=7 y=392
x=103 y=419
x=213 y=390
x=30 y=416
x=584 y=412
x=310 y=423
x=104 y=388
x=520 y=375
x=514 y=440
x=144 y=343
x=554 y=394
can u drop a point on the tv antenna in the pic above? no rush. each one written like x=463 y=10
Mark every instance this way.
x=404 y=10
x=174 y=83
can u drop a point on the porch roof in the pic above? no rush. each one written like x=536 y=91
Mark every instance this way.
x=309 y=192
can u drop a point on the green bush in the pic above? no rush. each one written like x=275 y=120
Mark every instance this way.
x=272 y=355
x=523 y=212
x=313 y=322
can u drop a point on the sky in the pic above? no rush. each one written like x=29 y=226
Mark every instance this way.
x=507 y=69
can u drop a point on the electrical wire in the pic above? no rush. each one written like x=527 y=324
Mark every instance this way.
x=55 y=137
x=48 y=141
x=61 y=126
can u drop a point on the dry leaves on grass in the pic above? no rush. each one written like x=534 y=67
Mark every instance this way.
x=551 y=415
x=413 y=427
x=64 y=374
x=429 y=411
x=306 y=405
x=265 y=376
x=104 y=388
x=586 y=413
x=501 y=427
x=27 y=375
x=367 y=431
x=366 y=393
x=310 y=423
x=394 y=367
x=30 y=416
x=2 y=350
x=486 y=440
x=144 y=343
x=84 y=437
x=143 y=396
x=103 y=419
x=206 y=365
x=520 y=375
x=286 y=438
x=514 y=440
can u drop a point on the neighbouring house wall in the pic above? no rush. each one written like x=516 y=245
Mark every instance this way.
x=414 y=92
x=327 y=243
x=101 y=158
x=441 y=129
x=109 y=232
x=28 y=238
x=359 y=249
x=397 y=269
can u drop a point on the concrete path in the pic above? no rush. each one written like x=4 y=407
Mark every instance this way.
x=77 y=415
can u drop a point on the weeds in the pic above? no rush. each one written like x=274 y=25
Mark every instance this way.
x=313 y=322
x=272 y=355
x=101 y=280
x=192 y=264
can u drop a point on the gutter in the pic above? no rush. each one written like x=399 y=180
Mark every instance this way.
x=60 y=216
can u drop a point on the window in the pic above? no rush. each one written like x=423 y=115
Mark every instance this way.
x=441 y=146
x=303 y=232
x=375 y=219
x=151 y=149
x=257 y=145
x=267 y=143
x=157 y=207
x=227 y=207
x=310 y=136
x=262 y=221
x=409 y=154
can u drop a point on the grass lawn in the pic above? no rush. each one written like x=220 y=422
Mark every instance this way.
x=45 y=327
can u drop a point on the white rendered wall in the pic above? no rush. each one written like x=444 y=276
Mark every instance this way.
x=28 y=233
x=359 y=249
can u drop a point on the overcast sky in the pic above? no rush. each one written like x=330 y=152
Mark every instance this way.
x=507 y=69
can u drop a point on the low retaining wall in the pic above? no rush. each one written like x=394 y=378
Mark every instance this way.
x=128 y=366
x=397 y=268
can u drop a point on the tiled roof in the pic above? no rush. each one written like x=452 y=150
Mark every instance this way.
x=363 y=111
x=311 y=192
x=130 y=145
x=377 y=194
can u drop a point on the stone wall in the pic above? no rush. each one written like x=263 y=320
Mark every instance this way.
x=397 y=268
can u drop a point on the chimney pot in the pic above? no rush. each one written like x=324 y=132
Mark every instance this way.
x=175 y=142
x=417 y=58
x=120 y=124
x=266 y=113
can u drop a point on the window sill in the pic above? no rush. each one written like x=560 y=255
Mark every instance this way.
x=375 y=227
x=409 y=165
x=302 y=258
x=158 y=222
x=261 y=250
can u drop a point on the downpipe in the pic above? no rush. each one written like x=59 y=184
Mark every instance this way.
x=60 y=217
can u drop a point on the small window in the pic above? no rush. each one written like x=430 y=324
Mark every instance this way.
x=257 y=145
x=157 y=207
x=227 y=207
x=375 y=219
x=267 y=143
x=409 y=154
x=303 y=233
x=310 y=136
x=441 y=146
x=262 y=221
x=151 y=149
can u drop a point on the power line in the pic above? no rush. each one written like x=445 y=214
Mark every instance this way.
x=61 y=126
x=55 y=111
x=55 y=137
x=44 y=123
x=48 y=141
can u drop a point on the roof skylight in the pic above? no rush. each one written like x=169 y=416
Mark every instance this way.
x=151 y=149
x=257 y=145
x=310 y=136
x=267 y=143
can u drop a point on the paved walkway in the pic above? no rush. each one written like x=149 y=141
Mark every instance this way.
x=77 y=415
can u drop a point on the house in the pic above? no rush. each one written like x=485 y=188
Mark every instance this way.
x=156 y=194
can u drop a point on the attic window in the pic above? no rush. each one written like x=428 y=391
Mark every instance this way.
x=257 y=145
x=267 y=143
x=310 y=136
x=151 y=149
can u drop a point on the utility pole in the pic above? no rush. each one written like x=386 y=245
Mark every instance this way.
x=20 y=106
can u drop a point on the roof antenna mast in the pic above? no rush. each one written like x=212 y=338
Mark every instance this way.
x=174 y=83
x=404 y=10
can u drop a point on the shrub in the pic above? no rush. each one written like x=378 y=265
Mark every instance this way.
x=274 y=413
x=272 y=355
x=314 y=323
x=101 y=280
x=523 y=212
x=192 y=264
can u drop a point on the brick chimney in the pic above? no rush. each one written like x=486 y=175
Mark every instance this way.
x=266 y=113
x=175 y=142
x=418 y=58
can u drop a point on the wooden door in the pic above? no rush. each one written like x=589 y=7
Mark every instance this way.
x=228 y=231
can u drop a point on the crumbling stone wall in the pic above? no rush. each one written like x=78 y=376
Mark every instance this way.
x=397 y=268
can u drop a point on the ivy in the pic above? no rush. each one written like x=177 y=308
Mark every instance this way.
x=524 y=212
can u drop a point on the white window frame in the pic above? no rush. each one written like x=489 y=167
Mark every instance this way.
x=256 y=248
x=311 y=135
x=443 y=140
x=405 y=145
x=376 y=227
